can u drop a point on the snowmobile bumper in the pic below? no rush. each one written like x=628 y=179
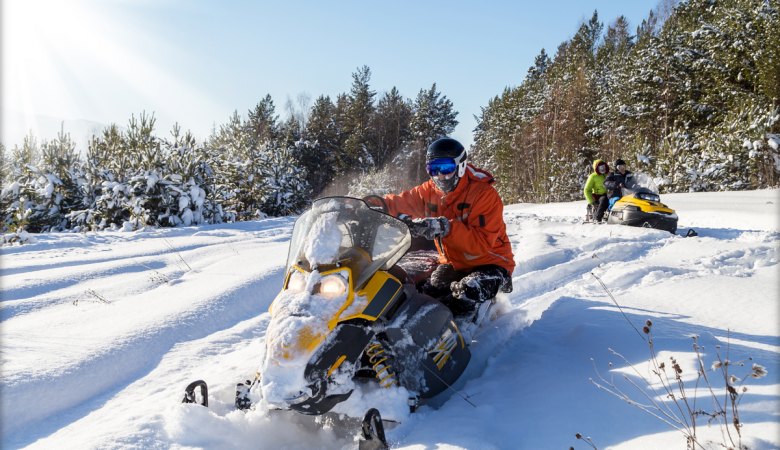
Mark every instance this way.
x=637 y=218
x=345 y=344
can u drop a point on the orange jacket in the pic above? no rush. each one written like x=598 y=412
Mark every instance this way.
x=477 y=230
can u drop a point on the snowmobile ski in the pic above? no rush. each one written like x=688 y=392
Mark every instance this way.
x=373 y=432
x=242 y=393
x=189 y=393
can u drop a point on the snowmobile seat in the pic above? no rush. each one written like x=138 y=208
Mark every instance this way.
x=416 y=266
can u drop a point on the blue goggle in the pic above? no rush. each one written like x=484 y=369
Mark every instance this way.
x=444 y=166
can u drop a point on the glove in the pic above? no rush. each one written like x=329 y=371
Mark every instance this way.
x=481 y=285
x=429 y=227
x=468 y=288
x=376 y=202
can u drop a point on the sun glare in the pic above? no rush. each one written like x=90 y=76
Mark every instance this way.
x=39 y=36
x=83 y=59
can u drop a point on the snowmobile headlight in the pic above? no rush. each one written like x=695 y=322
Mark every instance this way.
x=297 y=281
x=649 y=197
x=332 y=285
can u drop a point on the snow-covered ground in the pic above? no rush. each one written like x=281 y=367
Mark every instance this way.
x=101 y=332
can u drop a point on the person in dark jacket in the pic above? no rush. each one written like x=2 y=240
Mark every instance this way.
x=617 y=180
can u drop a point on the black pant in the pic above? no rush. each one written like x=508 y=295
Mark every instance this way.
x=480 y=284
x=600 y=204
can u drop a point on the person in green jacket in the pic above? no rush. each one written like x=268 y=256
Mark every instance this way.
x=595 y=192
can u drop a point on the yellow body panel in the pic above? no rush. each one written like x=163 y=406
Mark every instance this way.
x=369 y=292
x=644 y=205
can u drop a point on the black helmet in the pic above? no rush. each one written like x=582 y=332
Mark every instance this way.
x=448 y=148
x=620 y=162
x=444 y=148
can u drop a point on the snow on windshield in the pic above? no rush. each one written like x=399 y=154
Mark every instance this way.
x=325 y=248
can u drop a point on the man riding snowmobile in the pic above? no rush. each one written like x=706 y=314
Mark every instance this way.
x=616 y=181
x=350 y=312
x=459 y=210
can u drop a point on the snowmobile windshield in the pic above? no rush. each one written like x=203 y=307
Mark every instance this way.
x=345 y=231
x=641 y=186
x=640 y=182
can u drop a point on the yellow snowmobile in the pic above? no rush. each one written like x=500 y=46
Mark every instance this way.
x=640 y=206
x=349 y=314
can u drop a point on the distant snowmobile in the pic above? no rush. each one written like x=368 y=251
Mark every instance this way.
x=640 y=206
x=349 y=312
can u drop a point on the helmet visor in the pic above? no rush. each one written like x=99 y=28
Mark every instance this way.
x=444 y=166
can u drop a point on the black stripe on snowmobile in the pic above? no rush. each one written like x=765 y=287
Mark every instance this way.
x=383 y=298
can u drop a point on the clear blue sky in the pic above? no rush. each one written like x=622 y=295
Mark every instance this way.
x=196 y=61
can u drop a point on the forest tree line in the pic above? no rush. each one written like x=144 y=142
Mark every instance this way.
x=690 y=96
x=250 y=167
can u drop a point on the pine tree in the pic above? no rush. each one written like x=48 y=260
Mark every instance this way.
x=610 y=81
x=5 y=181
x=91 y=177
x=569 y=109
x=433 y=117
x=239 y=179
x=358 y=151
x=185 y=183
x=391 y=125
x=319 y=155
x=147 y=170
x=27 y=197
x=497 y=147
x=344 y=163
x=60 y=163
x=291 y=131
x=647 y=28
x=142 y=146
x=262 y=122
x=287 y=191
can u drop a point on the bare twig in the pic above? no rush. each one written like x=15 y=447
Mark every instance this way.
x=587 y=440
x=97 y=295
x=604 y=286
x=94 y=294
x=177 y=254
